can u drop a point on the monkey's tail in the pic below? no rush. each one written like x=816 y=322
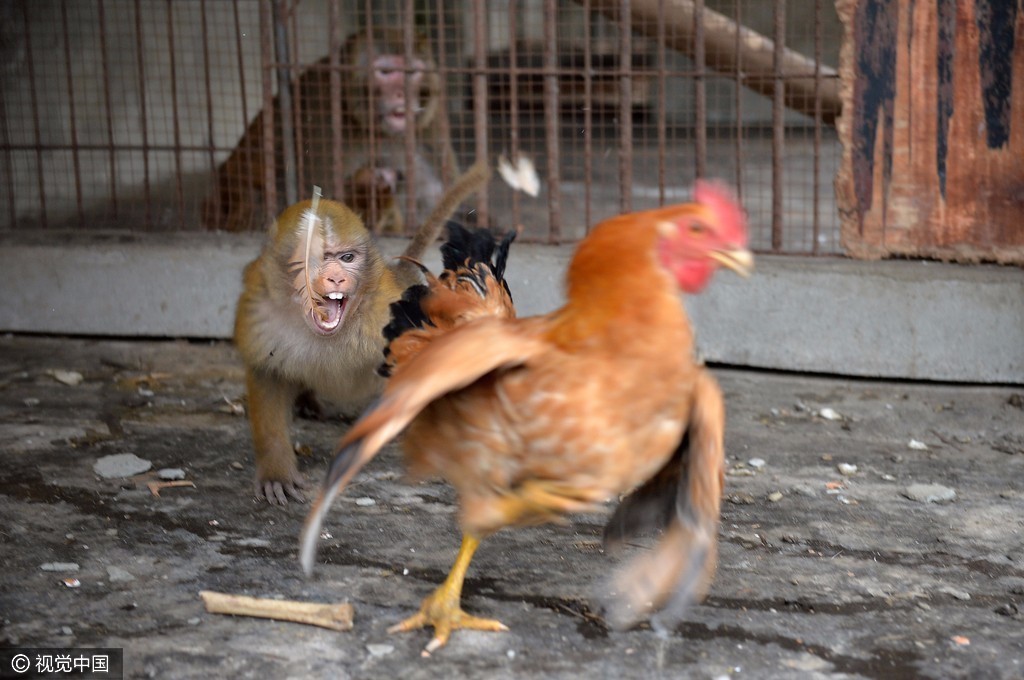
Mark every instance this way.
x=468 y=182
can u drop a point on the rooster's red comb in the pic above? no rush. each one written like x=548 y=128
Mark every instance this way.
x=721 y=200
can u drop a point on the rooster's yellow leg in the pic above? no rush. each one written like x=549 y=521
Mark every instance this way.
x=441 y=609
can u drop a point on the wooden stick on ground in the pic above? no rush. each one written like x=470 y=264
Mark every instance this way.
x=333 y=616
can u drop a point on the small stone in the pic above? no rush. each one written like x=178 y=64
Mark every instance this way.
x=170 y=474
x=30 y=402
x=380 y=650
x=194 y=621
x=59 y=566
x=775 y=497
x=365 y=501
x=71 y=582
x=118 y=575
x=917 y=445
x=740 y=499
x=66 y=630
x=847 y=469
x=929 y=493
x=70 y=378
x=829 y=414
x=959 y=594
x=756 y=463
x=236 y=465
x=805 y=490
x=120 y=465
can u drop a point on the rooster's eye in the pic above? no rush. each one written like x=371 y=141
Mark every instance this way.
x=697 y=229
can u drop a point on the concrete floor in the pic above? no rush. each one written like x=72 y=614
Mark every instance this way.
x=822 y=574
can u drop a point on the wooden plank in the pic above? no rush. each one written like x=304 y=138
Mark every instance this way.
x=932 y=130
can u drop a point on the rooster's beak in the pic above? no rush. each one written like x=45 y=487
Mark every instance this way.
x=740 y=260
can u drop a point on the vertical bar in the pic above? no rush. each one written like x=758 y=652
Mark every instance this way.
x=109 y=106
x=662 y=122
x=815 y=202
x=408 y=35
x=371 y=128
x=142 y=113
x=778 y=122
x=337 y=143
x=480 y=98
x=239 y=52
x=266 y=53
x=700 y=91
x=513 y=102
x=179 y=192
x=738 y=82
x=284 y=96
x=551 y=118
x=5 y=144
x=36 y=132
x=71 y=111
x=291 y=63
x=588 y=115
x=207 y=82
x=449 y=165
x=625 y=107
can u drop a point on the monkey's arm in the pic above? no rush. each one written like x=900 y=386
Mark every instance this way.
x=270 y=417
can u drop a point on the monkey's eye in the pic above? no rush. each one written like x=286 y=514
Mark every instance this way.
x=348 y=257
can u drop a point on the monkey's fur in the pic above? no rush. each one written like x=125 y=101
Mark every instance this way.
x=289 y=348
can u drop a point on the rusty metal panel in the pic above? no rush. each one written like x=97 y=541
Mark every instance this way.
x=933 y=161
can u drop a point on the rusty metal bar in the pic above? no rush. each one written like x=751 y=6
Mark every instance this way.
x=108 y=104
x=778 y=123
x=302 y=183
x=551 y=119
x=816 y=199
x=449 y=164
x=34 y=99
x=208 y=91
x=267 y=59
x=738 y=85
x=143 y=117
x=480 y=99
x=334 y=87
x=588 y=116
x=371 y=127
x=662 y=106
x=513 y=102
x=408 y=37
x=700 y=100
x=71 y=112
x=626 y=109
x=8 y=163
x=179 y=191
x=284 y=97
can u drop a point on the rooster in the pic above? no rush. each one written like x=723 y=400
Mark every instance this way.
x=530 y=419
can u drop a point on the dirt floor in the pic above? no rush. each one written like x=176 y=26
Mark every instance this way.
x=826 y=570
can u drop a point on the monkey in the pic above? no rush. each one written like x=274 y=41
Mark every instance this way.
x=311 y=317
x=375 y=79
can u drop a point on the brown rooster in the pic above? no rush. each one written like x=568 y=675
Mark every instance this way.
x=533 y=418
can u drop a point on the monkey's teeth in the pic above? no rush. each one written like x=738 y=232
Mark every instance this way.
x=335 y=296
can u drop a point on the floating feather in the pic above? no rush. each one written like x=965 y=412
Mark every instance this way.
x=522 y=176
x=312 y=303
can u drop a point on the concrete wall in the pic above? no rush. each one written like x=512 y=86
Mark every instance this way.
x=897 y=319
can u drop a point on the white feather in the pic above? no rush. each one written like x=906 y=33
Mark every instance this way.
x=522 y=176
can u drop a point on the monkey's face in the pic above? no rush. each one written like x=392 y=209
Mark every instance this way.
x=390 y=73
x=335 y=281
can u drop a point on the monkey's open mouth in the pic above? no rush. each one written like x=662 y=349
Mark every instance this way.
x=397 y=119
x=329 y=314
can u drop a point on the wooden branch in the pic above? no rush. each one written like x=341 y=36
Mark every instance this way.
x=755 y=58
x=333 y=616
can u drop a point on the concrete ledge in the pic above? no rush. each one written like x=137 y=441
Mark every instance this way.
x=896 y=319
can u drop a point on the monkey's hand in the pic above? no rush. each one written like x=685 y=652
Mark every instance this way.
x=276 y=491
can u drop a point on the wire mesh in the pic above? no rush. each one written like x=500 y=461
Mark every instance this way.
x=150 y=115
